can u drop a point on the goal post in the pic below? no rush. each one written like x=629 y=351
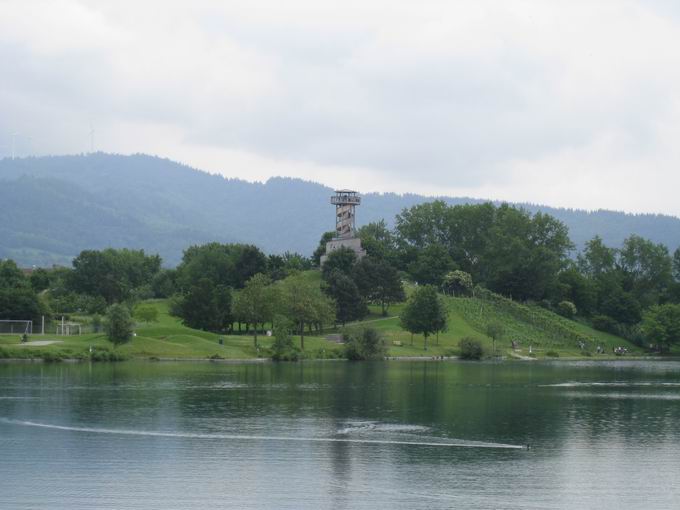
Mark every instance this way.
x=16 y=327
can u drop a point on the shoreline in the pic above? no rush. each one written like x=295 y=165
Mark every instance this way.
x=255 y=361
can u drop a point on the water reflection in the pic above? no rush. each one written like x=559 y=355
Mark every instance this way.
x=596 y=431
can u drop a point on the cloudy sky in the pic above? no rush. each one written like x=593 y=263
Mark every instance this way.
x=569 y=103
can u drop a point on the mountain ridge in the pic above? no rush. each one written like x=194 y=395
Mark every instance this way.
x=55 y=206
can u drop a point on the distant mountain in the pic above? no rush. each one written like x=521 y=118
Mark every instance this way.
x=51 y=208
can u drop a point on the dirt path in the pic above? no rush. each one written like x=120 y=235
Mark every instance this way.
x=41 y=343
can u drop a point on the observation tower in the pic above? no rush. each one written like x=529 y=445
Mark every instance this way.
x=345 y=202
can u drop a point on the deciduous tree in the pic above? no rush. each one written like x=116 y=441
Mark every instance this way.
x=256 y=303
x=424 y=312
x=349 y=304
x=118 y=324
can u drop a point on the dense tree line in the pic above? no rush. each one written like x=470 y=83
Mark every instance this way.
x=18 y=299
x=204 y=286
x=530 y=258
x=633 y=291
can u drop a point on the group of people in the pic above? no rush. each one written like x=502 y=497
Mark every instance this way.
x=619 y=351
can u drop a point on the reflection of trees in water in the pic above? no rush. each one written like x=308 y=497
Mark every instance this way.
x=506 y=402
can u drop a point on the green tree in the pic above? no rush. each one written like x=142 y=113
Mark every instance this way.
x=342 y=259
x=378 y=282
x=282 y=347
x=206 y=306
x=228 y=265
x=647 y=269
x=303 y=303
x=321 y=248
x=11 y=276
x=616 y=302
x=21 y=304
x=676 y=265
x=112 y=274
x=18 y=300
x=424 y=313
x=40 y=279
x=118 y=324
x=431 y=264
x=280 y=266
x=457 y=283
x=163 y=283
x=566 y=309
x=256 y=303
x=378 y=241
x=577 y=288
x=349 y=305
x=503 y=248
x=597 y=259
x=661 y=325
x=146 y=313
x=496 y=331
x=248 y=262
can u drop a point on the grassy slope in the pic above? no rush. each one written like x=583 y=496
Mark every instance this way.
x=168 y=338
x=469 y=316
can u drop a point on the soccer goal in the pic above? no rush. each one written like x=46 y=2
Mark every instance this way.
x=15 y=327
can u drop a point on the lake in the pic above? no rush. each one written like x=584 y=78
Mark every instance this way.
x=337 y=435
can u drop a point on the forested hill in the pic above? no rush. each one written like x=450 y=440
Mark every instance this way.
x=53 y=207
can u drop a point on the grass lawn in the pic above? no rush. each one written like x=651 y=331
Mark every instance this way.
x=468 y=317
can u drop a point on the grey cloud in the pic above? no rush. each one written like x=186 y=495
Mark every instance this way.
x=454 y=111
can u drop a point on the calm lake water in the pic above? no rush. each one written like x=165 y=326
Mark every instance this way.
x=334 y=435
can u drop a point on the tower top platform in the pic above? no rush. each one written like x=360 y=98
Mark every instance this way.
x=345 y=197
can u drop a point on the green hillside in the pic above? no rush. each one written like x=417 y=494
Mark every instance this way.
x=531 y=326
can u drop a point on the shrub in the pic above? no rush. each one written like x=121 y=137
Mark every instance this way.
x=4 y=353
x=106 y=355
x=566 y=309
x=364 y=344
x=552 y=354
x=51 y=357
x=215 y=357
x=143 y=292
x=470 y=348
x=118 y=324
x=327 y=354
x=604 y=323
x=146 y=313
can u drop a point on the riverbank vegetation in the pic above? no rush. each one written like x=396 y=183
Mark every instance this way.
x=498 y=277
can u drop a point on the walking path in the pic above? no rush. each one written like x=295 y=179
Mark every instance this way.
x=40 y=343
x=372 y=321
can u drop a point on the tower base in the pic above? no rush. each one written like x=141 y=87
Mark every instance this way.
x=353 y=243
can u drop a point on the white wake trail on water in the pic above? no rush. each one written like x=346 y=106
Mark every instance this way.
x=612 y=384
x=190 y=435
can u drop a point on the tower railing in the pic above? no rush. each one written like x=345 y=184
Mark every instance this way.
x=345 y=200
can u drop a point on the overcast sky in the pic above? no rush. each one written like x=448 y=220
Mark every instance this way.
x=568 y=103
